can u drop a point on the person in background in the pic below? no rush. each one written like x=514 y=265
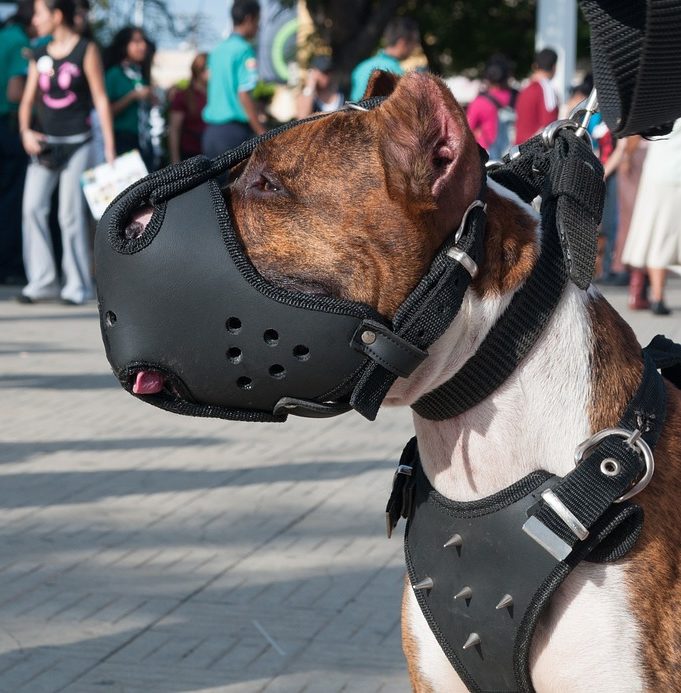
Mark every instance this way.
x=231 y=113
x=83 y=27
x=185 y=125
x=128 y=67
x=321 y=93
x=401 y=38
x=14 y=41
x=65 y=78
x=490 y=114
x=537 y=103
x=654 y=242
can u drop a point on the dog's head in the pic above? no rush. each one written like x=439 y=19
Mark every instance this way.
x=343 y=214
x=356 y=204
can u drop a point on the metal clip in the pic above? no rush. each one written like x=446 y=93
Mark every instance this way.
x=589 y=106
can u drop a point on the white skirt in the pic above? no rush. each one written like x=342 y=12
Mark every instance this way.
x=654 y=238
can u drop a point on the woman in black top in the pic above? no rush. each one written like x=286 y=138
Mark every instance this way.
x=65 y=78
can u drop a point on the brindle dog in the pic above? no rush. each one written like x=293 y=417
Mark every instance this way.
x=355 y=205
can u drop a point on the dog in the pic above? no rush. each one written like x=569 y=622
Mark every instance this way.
x=355 y=205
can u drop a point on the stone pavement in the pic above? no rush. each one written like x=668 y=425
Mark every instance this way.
x=143 y=551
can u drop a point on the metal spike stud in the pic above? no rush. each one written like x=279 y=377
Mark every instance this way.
x=465 y=593
x=454 y=540
x=506 y=600
x=473 y=639
x=425 y=584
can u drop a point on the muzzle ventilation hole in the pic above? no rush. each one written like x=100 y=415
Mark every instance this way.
x=245 y=383
x=271 y=337
x=110 y=318
x=301 y=352
x=234 y=354
x=233 y=325
x=277 y=371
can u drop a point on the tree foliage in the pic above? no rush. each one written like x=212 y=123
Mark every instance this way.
x=110 y=15
x=457 y=35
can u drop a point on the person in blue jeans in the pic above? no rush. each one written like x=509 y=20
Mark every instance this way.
x=65 y=78
x=231 y=114
x=401 y=38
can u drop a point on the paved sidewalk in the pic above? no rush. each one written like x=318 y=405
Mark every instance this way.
x=142 y=551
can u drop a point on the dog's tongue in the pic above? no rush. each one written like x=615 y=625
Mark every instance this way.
x=148 y=383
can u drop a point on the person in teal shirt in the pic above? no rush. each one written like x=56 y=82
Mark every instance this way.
x=128 y=65
x=231 y=114
x=401 y=38
x=14 y=43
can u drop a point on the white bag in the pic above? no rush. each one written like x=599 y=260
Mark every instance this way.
x=102 y=183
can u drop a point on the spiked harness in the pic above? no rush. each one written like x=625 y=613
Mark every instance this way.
x=484 y=571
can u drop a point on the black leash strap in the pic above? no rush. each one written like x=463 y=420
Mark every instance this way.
x=636 y=60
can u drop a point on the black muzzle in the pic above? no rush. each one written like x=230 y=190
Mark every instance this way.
x=183 y=300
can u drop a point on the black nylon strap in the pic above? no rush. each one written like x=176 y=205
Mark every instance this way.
x=586 y=491
x=428 y=311
x=636 y=63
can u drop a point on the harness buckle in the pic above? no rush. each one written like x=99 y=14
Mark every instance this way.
x=633 y=440
x=400 y=502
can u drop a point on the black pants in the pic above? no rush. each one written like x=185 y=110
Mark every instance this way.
x=13 y=162
x=217 y=139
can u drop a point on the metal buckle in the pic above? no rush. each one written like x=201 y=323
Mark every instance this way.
x=462 y=225
x=634 y=440
x=465 y=260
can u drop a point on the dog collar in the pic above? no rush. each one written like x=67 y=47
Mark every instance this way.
x=184 y=300
x=569 y=179
x=483 y=571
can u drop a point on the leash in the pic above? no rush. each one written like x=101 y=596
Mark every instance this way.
x=636 y=63
x=484 y=571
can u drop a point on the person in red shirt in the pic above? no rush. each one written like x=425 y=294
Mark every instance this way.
x=489 y=112
x=186 y=125
x=537 y=104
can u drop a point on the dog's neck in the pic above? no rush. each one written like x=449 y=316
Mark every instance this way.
x=551 y=403
x=503 y=438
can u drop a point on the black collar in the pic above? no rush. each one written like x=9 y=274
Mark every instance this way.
x=570 y=217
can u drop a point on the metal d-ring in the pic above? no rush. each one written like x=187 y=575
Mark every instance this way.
x=634 y=440
x=587 y=107
x=548 y=134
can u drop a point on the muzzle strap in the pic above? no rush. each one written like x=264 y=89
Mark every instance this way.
x=428 y=310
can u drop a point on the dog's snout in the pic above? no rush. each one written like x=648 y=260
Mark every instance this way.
x=138 y=223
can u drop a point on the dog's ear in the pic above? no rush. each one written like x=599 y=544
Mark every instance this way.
x=429 y=153
x=381 y=83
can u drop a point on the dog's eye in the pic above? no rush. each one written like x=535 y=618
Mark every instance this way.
x=267 y=185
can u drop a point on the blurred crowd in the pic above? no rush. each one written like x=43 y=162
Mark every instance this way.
x=67 y=104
